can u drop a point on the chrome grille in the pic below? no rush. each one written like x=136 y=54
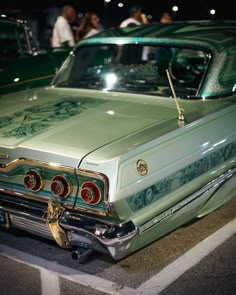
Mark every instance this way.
x=33 y=226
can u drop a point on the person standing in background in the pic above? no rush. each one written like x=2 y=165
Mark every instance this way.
x=165 y=18
x=88 y=26
x=136 y=17
x=62 y=34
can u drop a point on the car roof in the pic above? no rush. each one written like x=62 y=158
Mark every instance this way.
x=209 y=34
x=153 y=30
x=8 y=21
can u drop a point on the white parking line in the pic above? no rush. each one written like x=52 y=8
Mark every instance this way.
x=49 y=268
x=50 y=282
x=174 y=270
x=51 y=271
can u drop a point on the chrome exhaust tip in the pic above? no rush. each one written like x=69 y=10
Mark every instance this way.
x=75 y=254
x=81 y=254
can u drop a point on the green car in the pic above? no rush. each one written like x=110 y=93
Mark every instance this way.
x=134 y=137
x=23 y=65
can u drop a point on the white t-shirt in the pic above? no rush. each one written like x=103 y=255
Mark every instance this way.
x=91 y=33
x=62 y=32
x=130 y=22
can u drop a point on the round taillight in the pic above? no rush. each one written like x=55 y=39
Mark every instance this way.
x=33 y=181
x=60 y=186
x=90 y=193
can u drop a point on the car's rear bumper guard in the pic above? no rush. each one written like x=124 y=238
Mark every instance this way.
x=69 y=229
x=114 y=240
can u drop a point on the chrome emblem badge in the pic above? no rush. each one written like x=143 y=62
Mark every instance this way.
x=141 y=167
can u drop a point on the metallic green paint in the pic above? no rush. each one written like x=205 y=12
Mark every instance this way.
x=178 y=179
x=79 y=129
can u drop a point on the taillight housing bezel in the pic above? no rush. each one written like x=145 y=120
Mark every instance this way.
x=92 y=191
x=75 y=179
x=61 y=184
x=33 y=181
x=100 y=205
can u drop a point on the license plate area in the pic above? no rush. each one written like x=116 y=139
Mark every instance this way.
x=4 y=219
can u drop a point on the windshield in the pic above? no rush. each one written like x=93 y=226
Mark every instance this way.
x=134 y=68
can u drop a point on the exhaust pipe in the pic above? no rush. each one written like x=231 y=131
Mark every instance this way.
x=81 y=254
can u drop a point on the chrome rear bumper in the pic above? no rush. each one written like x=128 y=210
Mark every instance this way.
x=80 y=231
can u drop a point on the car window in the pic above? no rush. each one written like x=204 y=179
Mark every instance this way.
x=8 y=41
x=135 y=68
x=13 y=41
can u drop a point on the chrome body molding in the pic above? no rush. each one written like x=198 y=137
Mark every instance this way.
x=4 y=156
x=204 y=192
x=14 y=194
x=25 y=161
x=26 y=81
x=40 y=164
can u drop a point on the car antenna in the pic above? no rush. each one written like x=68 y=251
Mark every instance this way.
x=180 y=111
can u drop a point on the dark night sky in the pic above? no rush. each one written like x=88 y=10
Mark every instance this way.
x=188 y=9
x=43 y=13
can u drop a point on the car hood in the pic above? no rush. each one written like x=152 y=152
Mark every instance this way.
x=54 y=124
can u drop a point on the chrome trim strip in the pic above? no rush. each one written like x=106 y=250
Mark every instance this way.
x=86 y=210
x=17 y=162
x=214 y=184
x=28 y=80
x=4 y=156
x=11 y=193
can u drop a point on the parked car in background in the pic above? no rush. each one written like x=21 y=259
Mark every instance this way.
x=134 y=137
x=23 y=64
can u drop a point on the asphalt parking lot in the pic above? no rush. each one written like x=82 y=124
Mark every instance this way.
x=196 y=259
